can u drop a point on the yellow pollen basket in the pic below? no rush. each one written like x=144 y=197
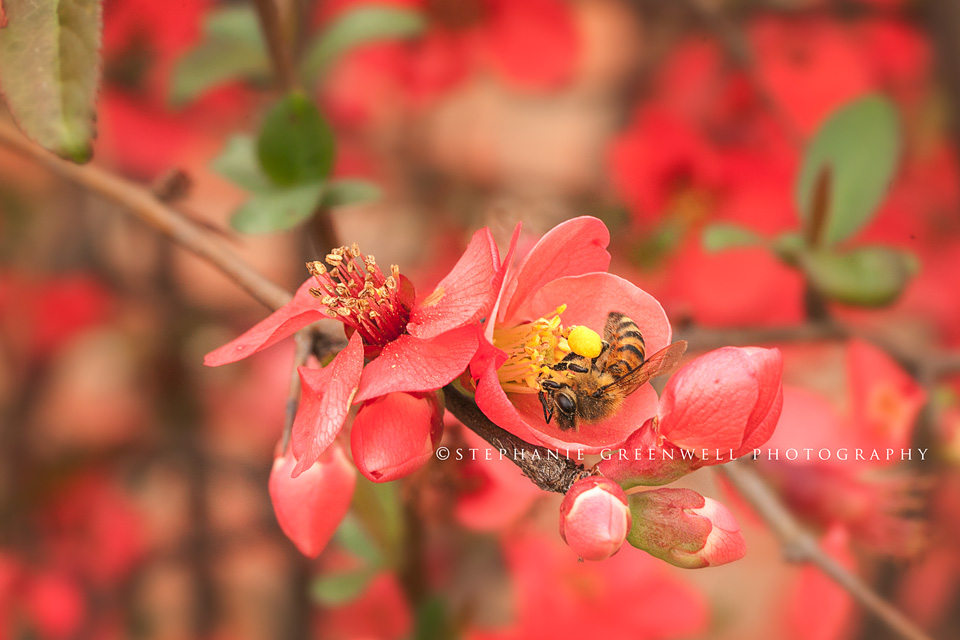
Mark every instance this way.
x=530 y=348
x=585 y=342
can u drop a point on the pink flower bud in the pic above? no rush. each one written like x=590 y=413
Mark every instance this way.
x=685 y=529
x=727 y=402
x=310 y=507
x=595 y=518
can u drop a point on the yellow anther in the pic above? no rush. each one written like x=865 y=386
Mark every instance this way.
x=585 y=342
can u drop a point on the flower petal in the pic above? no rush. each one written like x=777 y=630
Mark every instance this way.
x=412 y=364
x=768 y=369
x=310 y=505
x=708 y=402
x=285 y=321
x=325 y=397
x=465 y=294
x=394 y=435
x=571 y=248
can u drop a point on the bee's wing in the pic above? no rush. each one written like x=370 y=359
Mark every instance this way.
x=661 y=363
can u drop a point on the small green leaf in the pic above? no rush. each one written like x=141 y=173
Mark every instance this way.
x=336 y=589
x=864 y=277
x=50 y=71
x=359 y=26
x=295 y=144
x=232 y=49
x=352 y=536
x=718 y=237
x=238 y=163
x=788 y=247
x=434 y=621
x=277 y=209
x=347 y=191
x=857 y=148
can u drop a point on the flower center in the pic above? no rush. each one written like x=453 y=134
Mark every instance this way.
x=355 y=291
x=531 y=348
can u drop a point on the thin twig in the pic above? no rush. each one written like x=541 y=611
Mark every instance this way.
x=544 y=467
x=800 y=546
x=281 y=49
x=145 y=206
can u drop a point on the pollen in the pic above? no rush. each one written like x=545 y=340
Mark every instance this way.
x=354 y=290
x=531 y=348
x=585 y=342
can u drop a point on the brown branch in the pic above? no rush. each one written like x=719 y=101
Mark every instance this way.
x=279 y=46
x=543 y=466
x=144 y=205
x=800 y=546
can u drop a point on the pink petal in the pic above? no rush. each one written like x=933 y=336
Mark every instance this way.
x=708 y=402
x=465 y=294
x=310 y=505
x=412 y=364
x=545 y=26
x=768 y=370
x=394 y=435
x=325 y=397
x=507 y=283
x=285 y=321
x=571 y=248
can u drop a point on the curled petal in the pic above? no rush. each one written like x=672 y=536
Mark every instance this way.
x=285 y=321
x=411 y=364
x=572 y=248
x=646 y=459
x=325 y=397
x=465 y=295
x=395 y=434
x=768 y=369
x=310 y=506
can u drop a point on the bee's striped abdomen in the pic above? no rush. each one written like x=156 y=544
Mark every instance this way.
x=627 y=350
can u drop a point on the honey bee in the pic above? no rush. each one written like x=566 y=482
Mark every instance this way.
x=579 y=389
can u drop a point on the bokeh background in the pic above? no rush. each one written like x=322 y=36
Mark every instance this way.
x=133 y=481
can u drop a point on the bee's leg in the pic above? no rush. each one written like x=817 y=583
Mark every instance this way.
x=547 y=410
x=601 y=357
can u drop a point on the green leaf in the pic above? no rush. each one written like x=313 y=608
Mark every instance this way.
x=864 y=277
x=295 y=144
x=347 y=191
x=238 y=163
x=379 y=510
x=50 y=69
x=718 y=237
x=336 y=589
x=789 y=246
x=233 y=49
x=277 y=209
x=857 y=151
x=359 y=26
x=352 y=536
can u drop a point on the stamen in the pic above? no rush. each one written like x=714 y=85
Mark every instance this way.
x=531 y=349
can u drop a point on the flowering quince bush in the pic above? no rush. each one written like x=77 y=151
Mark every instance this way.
x=490 y=317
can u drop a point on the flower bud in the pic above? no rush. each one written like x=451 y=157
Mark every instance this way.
x=310 y=507
x=594 y=518
x=685 y=529
x=727 y=401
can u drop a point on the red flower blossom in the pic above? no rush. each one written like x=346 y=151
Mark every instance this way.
x=563 y=277
x=462 y=37
x=413 y=348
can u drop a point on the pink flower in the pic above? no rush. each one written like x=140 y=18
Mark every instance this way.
x=561 y=282
x=594 y=518
x=684 y=528
x=412 y=348
x=395 y=434
x=310 y=506
x=719 y=407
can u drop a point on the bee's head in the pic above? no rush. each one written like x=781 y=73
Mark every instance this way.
x=560 y=400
